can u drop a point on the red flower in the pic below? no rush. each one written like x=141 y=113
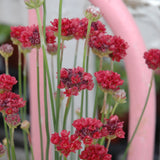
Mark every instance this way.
x=152 y=58
x=12 y=101
x=108 y=80
x=113 y=128
x=87 y=128
x=2 y=150
x=66 y=144
x=6 y=83
x=75 y=80
x=95 y=152
x=50 y=37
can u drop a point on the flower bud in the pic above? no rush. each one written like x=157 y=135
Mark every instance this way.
x=25 y=126
x=78 y=112
x=120 y=96
x=92 y=13
x=2 y=150
x=33 y=4
x=13 y=120
x=6 y=50
x=4 y=141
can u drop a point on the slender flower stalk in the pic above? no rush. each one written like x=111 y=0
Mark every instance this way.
x=112 y=65
x=108 y=143
x=114 y=108
x=6 y=64
x=11 y=130
x=30 y=144
x=141 y=116
x=52 y=72
x=101 y=63
x=39 y=106
x=104 y=106
x=62 y=49
x=66 y=112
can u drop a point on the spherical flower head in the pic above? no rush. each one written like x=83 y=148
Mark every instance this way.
x=15 y=34
x=13 y=120
x=33 y=4
x=11 y=102
x=87 y=129
x=25 y=125
x=92 y=13
x=6 y=83
x=2 y=150
x=75 y=80
x=66 y=30
x=65 y=144
x=113 y=128
x=152 y=58
x=108 y=81
x=120 y=96
x=95 y=152
x=50 y=37
x=6 y=50
x=53 y=48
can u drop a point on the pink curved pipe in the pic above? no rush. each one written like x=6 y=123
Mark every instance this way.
x=122 y=24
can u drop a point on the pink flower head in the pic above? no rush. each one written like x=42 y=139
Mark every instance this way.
x=113 y=128
x=64 y=143
x=66 y=29
x=2 y=150
x=87 y=129
x=108 y=81
x=107 y=45
x=75 y=80
x=30 y=37
x=6 y=83
x=16 y=32
x=13 y=120
x=6 y=50
x=11 y=101
x=95 y=152
x=50 y=37
x=152 y=58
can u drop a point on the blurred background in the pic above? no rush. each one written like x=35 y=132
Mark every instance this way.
x=147 y=16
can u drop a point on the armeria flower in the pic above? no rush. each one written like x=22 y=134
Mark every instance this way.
x=92 y=13
x=152 y=58
x=10 y=102
x=2 y=150
x=30 y=37
x=75 y=80
x=120 y=96
x=50 y=37
x=113 y=128
x=16 y=32
x=87 y=129
x=13 y=120
x=108 y=81
x=53 y=48
x=95 y=152
x=66 y=30
x=64 y=143
x=6 y=50
x=25 y=125
x=107 y=45
x=6 y=83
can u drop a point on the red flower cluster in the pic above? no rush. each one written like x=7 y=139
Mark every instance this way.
x=66 y=144
x=6 y=83
x=95 y=152
x=152 y=58
x=113 y=128
x=108 y=80
x=75 y=80
x=2 y=150
x=107 y=45
x=29 y=36
x=87 y=129
x=10 y=102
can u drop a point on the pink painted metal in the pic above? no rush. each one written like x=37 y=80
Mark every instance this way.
x=122 y=24
x=33 y=97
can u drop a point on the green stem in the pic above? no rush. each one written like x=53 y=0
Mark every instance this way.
x=112 y=65
x=7 y=137
x=108 y=143
x=11 y=130
x=39 y=106
x=65 y=158
x=104 y=106
x=58 y=63
x=30 y=144
x=95 y=102
x=76 y=53
x=100 y=63
x=62 y=52
x=6 y=64
x=82 y=97
x=145 y=105
x=52 y=72
x=102 y=141
x=114 y=108
x=66 y=112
